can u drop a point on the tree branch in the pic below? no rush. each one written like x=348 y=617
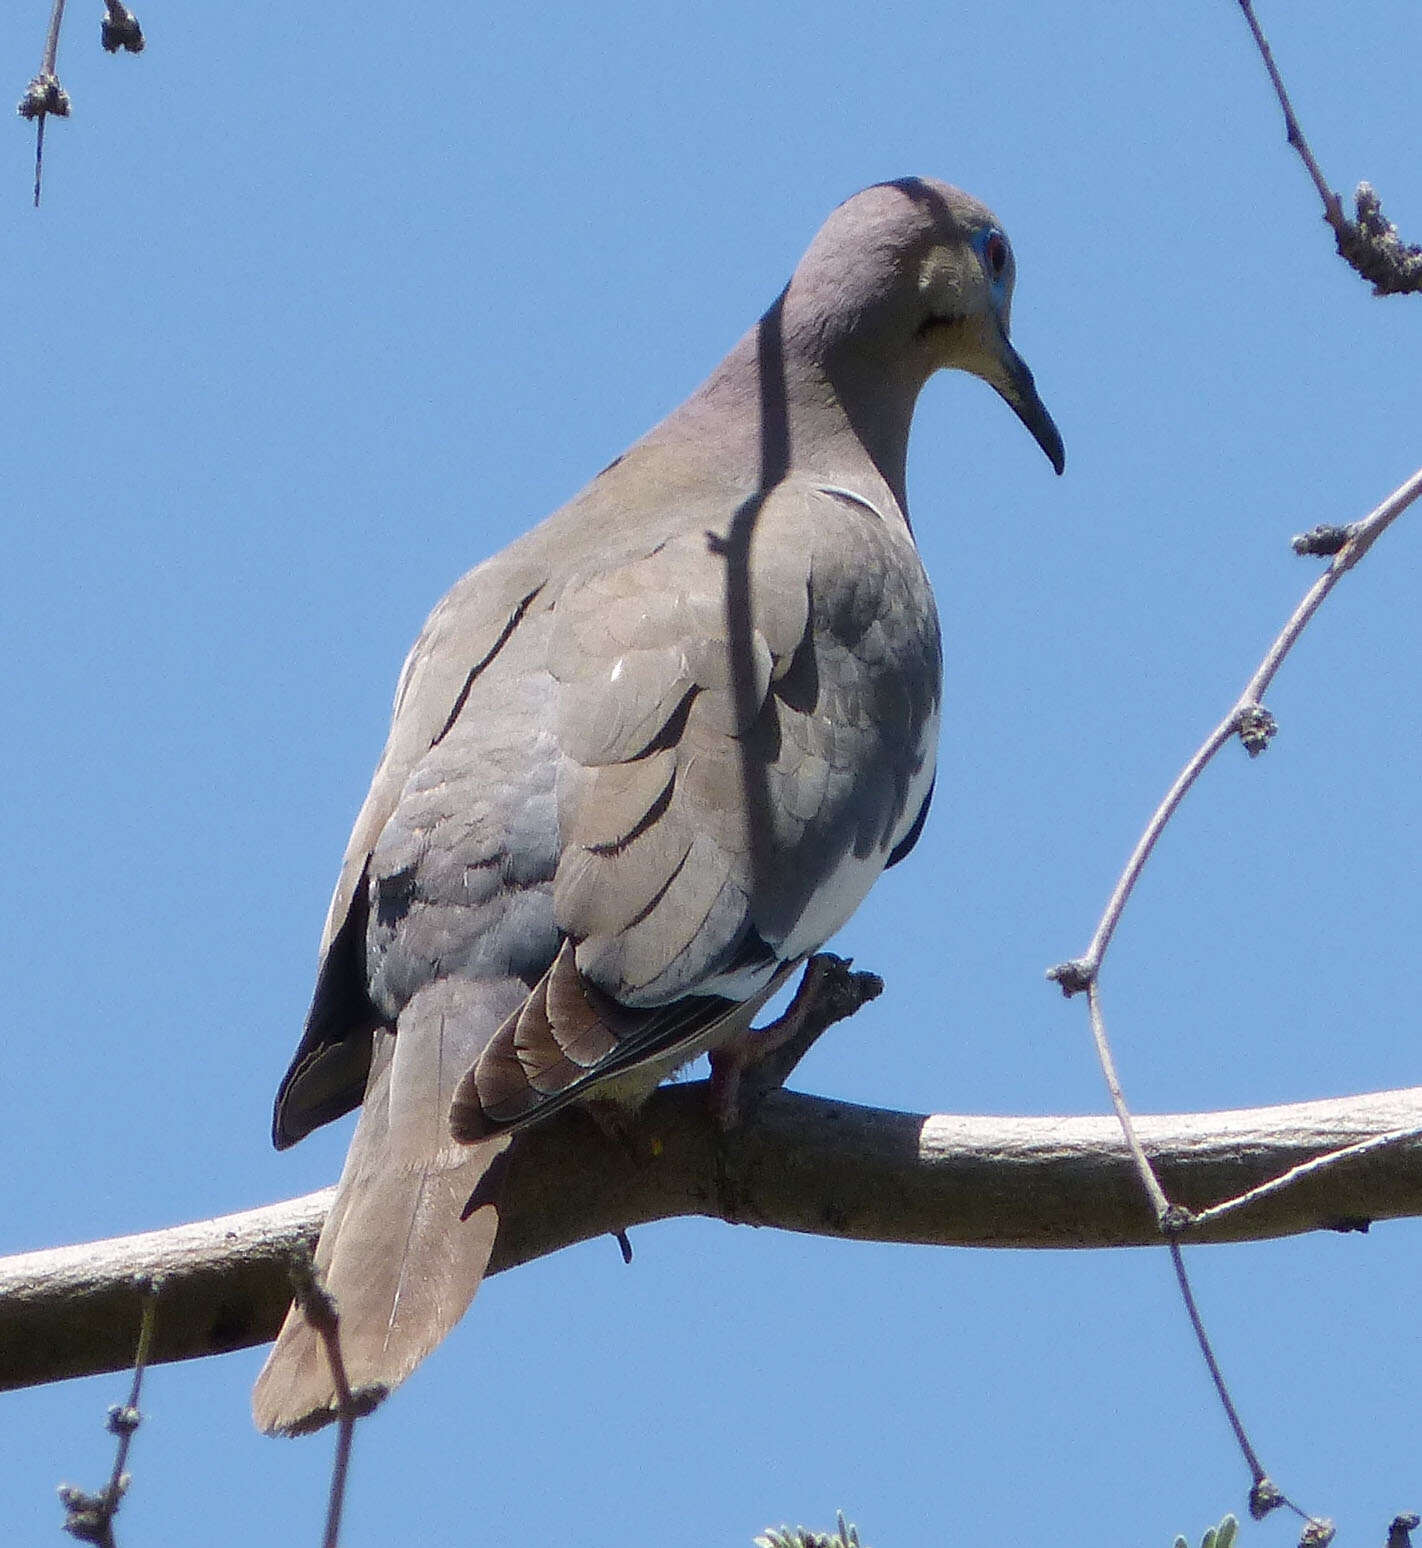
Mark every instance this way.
x=1370 y=245
x=802 y=1163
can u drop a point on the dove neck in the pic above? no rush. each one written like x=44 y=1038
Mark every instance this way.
x=790 y=402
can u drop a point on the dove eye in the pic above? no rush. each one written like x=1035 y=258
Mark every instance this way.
x=996 y=254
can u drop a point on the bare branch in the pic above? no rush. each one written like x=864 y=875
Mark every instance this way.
x=44 y=95
x=802 y=1164
x=1370 y=244
x=90 y=1517
x=1247 y=718
x=1255 y=726
x=1160 y=1203
x=1207 y=1217
x=318 y=1306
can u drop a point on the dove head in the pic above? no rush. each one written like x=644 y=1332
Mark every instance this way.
x=905 y=279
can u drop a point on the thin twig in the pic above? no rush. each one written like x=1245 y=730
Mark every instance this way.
x=1081 y=972
x=1252 y=723
x=51 y=42
x=39 y=157
x=44 y=95
x=1360 y=537
x=1370 y=244
x=90 y=1517
x=1296 y=1174
x=1149 y=1181
x=1256 y=1468
x=319 y=1307
x=340 y=1469
x=1357 y=538
x=125 y=1421
x=1331 y=202
x=1264 y=1494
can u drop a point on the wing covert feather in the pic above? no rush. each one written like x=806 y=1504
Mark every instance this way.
x=698 y=813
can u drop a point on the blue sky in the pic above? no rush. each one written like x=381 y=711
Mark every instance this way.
x=317 y=315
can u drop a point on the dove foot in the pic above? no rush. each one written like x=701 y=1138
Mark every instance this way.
x=759 y=1061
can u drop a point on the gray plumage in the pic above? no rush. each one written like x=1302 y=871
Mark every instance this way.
x=642 y=763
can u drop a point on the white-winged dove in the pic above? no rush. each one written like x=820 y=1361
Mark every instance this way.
x=643 y=762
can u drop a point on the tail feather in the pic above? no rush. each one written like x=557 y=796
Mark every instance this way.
x=394 y=1253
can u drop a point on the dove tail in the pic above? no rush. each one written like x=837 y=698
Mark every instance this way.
x=394 y=1253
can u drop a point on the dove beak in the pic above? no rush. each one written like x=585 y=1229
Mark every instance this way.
x=1009 y=374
